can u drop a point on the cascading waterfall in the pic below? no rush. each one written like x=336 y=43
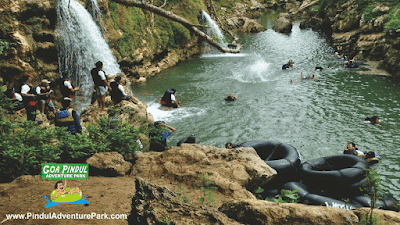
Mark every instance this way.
x=96 y=13
x=214 y=30
x=80 y=46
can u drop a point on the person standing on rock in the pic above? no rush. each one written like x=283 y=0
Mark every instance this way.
x=158 y=136
x=28 y=94
x=43 y=92
x=67 y=117
x=117 y=91
x=67 y=90
x=101 y=84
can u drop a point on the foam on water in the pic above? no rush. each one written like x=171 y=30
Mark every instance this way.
x=258 y=71
x=170 y=115
x=224 y=55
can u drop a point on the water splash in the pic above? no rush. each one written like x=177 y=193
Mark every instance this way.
x=80 y=46
x=173 y=114
x=257 y=71
x=214 y=30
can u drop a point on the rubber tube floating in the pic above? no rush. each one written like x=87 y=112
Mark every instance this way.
x=282 y=157
x=334 y=171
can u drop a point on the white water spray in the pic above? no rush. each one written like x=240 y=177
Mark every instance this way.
x=80 y=46
x=214 y=30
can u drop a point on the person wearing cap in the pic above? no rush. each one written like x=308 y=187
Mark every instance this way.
x=101 y=84
x=28 y=94
x=43 y=92
x=117 y=91
x=158 y=136
x=67 y=117
x=67 y=90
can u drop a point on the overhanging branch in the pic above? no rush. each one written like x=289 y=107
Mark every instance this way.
x=176 y=18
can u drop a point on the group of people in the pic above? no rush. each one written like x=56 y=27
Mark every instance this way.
x=371 y=157
x=347 y=62
x=289 y=65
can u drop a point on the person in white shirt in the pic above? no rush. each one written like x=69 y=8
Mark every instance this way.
x=28 y=94
x=101 y=84
x=117 y=91
x=67 y=90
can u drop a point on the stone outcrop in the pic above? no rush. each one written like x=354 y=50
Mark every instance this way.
x=154 y=204
x=133 y=111
x=282 y=25
x=108 y=164
x=360 y=37
x=234 y=172
x=260 y=212
x=244 y=24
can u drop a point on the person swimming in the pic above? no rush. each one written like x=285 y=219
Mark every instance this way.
x=311 y=77
x=372 y=120
x=288 y=65
x=231 y=98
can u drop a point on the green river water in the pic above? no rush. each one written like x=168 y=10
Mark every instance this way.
x=317 y=117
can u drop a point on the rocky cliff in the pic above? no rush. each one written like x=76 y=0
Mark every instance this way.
x=365 y=29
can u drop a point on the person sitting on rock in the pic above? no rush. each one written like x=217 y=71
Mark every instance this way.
x=188 y=140
x=43 y=92
x=158 y=136
x=230 y=98
x=169 y=100
x=288 y=65
x=117 y=91
x=18 y=104
x=67 y=117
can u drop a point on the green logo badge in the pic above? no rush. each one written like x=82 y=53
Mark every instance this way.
x=65 y=171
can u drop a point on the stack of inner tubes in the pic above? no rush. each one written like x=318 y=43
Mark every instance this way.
x=332 y=181
x=284 y=158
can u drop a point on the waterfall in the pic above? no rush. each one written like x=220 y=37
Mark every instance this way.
x=80 y=46
x=96 y=13
x=214 y=30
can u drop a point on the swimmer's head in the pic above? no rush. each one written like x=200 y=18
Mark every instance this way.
x=228 y=145
x=374 y=119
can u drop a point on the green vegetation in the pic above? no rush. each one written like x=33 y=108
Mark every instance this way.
x=287 y=196
x=206 y=188
x=368 y=9
x=24 y=146
x=3 y=45
x=374 y=192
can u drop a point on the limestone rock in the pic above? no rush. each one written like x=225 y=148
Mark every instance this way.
x=234 y=172
x=108 y=164
x=244 y=24
x=154 y=204
x=384 y=216
x=282 y=25
x=256 y=212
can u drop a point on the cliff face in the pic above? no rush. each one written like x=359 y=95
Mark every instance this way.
x=143 y=43
x=365 y=29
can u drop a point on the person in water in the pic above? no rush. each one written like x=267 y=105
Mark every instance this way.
x=188 y=140
x=352 y=150
x=61 y=189
x=169 y=100
x=117 y=91
x=231 y=98
x=228 y=145
x=158 y=136
x=372 y=120
x=101 y=84
x=318 y=68
x=288 y=65
x=350 y=64
x=311 y=77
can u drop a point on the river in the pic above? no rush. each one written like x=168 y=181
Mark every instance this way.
x=317 y=117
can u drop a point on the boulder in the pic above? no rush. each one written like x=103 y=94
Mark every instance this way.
x=155 y=204
x=259 y=212
x=234 y=172
x=108 y=164
x=282 y=25
x=244 y=24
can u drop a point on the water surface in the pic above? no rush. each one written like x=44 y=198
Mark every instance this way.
x=318 y=117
